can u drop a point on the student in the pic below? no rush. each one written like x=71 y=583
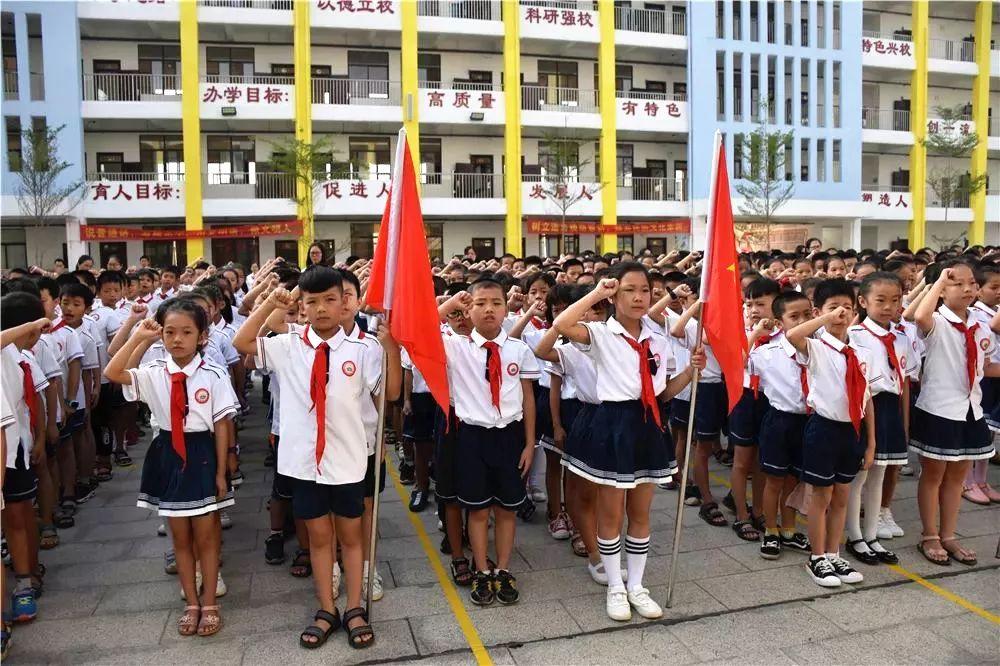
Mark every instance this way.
x=626 y=453
x=745 y=418
x=324 y=449
x=184 y=473
x=490 y=375
x=111 y=417
x=168 y=283
x=418 y=431
x=782 y=378
x=977 y=488
x=834 y=444
x=22 y=321
x=949 y=430
x=145 y=283
x=880 y=297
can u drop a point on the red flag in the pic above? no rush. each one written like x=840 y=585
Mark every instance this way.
x=722 y=308
x=401 y=281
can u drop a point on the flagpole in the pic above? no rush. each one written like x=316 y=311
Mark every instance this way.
x=695 y=376
x=379 y=443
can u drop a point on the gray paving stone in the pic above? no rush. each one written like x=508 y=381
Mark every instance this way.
x=42 y=638
x=59 y=604
x=121 y=572
x=392 y=641
x=266 y=584
x=588 y=610
x=499 y=656
x=749 y=556
x=692 y=566
x=761 y=657
x=410 y=601
x=642 y=645
x=765 y=587
x=972 y=633
x=899 y=644
x=246 y=620
x=764 y=628
x=414 y=571
x=217 y=651
x=165 y=594
x=105 y=516
x=978 y=587
x=873 y=609
x=68 y=552
x=129 y=530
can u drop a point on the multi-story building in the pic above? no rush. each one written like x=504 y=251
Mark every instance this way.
x=539 y=127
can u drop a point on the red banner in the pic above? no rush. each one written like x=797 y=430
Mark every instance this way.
x=110 y=232
x=542 y=226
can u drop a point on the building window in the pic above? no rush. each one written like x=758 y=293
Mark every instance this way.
x=110 y=162
x=720 y=83
x=559 y=159
x=363 y=238
x=12 y=125
x=434 y=232
x=571 y=244
x=836 y=94
x=820 y=160
x=225 y=64
x=624 y=161
x=738 y=155
x=162 y=155
x=485 y=248
x=429 y=70
x=163 y=63
x=286 y=249
x=368 y=65
x=626 y=243
x=430 y=161
x=557 y=74
x=165 y=253
x=231 y=159
x=36 y=54
x=836 y=161
x=804 y=93
x=804 y=160
x=369 y=159
x=720 y=17
x=623 y=78
x=9 y=59
x=804 y=22
x=737 y=20
x=820 y=93
x=15 y=248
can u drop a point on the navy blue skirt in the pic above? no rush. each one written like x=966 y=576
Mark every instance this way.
x=621 y=447
x=890 y=438
x=579 y=432
x=178 y=492
x=543 y=416
x=419 y=426
x=944 y=439
x=991 y=401
x=568 y=410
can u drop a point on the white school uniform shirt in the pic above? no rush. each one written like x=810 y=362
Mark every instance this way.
x=223 y=346
x=777 y=365
x=8 y=422
x=578 y=371
x=13 y=388
x=290 y=357
x=419 y=383
x=210 y=396
x=944 y=383
x=826 y=368
x=68 y=343
x=984 y=313
x=89 y=361
x=533 y=335
x=747 y=371
x=915 y=359
x=470 y=384
x=373 y=359
x=864 y=336
x=712 y=373
x=682 y=356
x=225 y=328
x=618 y=374
x=162 y=295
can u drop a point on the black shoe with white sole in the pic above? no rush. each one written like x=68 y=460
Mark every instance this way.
x=797 y=541
x=822 y=572
x=770 y=547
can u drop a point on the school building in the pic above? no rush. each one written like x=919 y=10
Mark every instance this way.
x=539 y=126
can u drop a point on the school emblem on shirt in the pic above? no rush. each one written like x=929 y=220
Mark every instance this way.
x=201 y=396
x=984 y=343
x=512 y=369
x=349 y=368
x=96 y=316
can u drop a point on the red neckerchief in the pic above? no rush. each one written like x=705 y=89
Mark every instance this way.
x=178 y=412
x=889 y=342
x=855 y=381
x=317 y=391
x=539 y=324
x=493 y=371
x=804 y=383
x=56 y=326
x=30 y=395
x=648 y=395
x=971 y=355
x=754 y=378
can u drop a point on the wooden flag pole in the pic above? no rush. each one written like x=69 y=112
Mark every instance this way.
x=379 y=444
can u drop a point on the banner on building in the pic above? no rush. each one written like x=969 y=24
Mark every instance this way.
x=751 y=237
x=90 y=232
x=553 y=227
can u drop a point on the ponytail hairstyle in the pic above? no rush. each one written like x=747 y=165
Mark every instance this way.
x=186 y=305
x=883 y=277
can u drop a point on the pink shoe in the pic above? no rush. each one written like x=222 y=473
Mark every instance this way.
x=991 y=493
x=975 y=495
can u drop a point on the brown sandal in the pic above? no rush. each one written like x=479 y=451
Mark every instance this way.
x=579 y=547
x=210 y=622
x=941 y=562
x=187 y=624
x=961 y=554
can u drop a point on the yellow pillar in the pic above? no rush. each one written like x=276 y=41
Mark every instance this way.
x=191 y=126
x=980 y=116
x=409 y=83
x=609 y=134
x=512 y=124
x=302 y=46
x=918 y=124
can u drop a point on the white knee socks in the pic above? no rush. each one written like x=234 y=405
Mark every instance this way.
x=871 y=501
x=636 y=549
x=611 y=556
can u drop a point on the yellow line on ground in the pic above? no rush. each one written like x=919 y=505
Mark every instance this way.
x=450 y=593
x=936 y=589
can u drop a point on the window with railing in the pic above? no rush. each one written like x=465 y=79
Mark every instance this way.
x=162 y=63
x=653 y=19
x=369 y=158
x=162 y=155
x=283 y=5
x=230 y=159
x=477 y=10
x=12 y=126
x=229 y=64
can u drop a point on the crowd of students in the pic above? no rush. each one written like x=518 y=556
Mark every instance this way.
x=571 y=386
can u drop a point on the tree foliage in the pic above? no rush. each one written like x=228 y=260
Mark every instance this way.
x=763 y=158
x=42 y=190
x=952 y=186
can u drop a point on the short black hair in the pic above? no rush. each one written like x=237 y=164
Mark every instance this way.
x=83 y=258
x=212 y=291
x=27 y=285
x=761 y=287
x=547 y=278
x=985 y=272
x=832 y=288
x=317 y=279
x=77 y=290
x=349 y=276
x=86 y=277
x=456 y=288
x=878 y=276
x=66 y=279
x=110 y=277
x=146 y=272
x=622 y=268
x=49 y=285
x=171 y=269
x=20 y=308
x=201 y=265
x=571 y=262
x=781 y=302
x=486 y=283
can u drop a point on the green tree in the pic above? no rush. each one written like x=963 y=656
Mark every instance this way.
x=760 y=170
x=561 y=171
x=952 y=186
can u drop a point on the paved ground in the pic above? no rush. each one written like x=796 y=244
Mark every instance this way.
x=107 y=599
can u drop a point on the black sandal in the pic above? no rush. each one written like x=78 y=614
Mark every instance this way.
x=360 y=631
x=746 y=531
x=301 y=564
x=321 y=635
x=711 y=514
x=121 y=459
x=460 y=572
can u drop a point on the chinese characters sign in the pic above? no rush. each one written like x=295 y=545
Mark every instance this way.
x=354 y=189
x=109 y=232
x=461 y=99
x=127 y=191
x=663 y=115
x=225 y=94
x=886 y=47
x=542 y=226
x=886 y=199
x=559 y=17
x=962 y=127
x=357 y=6
x=650 y=108
x=566 y=22
x=456 y=106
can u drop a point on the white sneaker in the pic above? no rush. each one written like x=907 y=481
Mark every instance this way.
x=844 y=571
x=882 y=530
x=220 y=586
x=538 y=495
x=618 y=604
x=640 y=600
x=600 y=576
x=336 y=580
x=822 y=572
x=161 y=530
x=906 y=470
x=225 y=519
x=890 y=522
x=377 y=591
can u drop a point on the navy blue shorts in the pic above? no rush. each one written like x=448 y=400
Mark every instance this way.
x=622 y=447
x=832 y=452
x=312 y=500
x=178 y=490
x=746 y=418
x=19 y=482
x=780 y=442
x=281 y=485
x=370 y=477
x=991 y=401
x=890 y=438
x=711 y=410
x=543 y=415
x=680 y=410
x=72 y=424
x=944 y=439
x=419 y=426
x=568 y=410
x=488 y=459
x=445 y=469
